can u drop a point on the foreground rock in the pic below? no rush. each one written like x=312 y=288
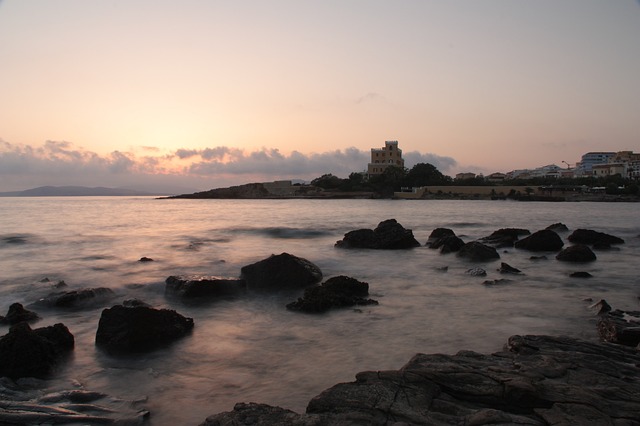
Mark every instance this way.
x=135 y=329
x=577 y=253
x=280 y=272
x=590 y=237
x=33 y=353
x=447 y=244
x=438 y=234
x=535 y=380
x=544 y=240
x=336 y=292
x=17 y=313
x=204 y=287
x=388 y=235
x=84 y=298
x=30 y=405
x=478 y=252
x=620 y=327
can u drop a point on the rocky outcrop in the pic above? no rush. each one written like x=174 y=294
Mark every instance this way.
x=246 y=191
x=590 y=237
x=33 y=353
x=576 y=253
x=478 y=252
x=544 y=240
x=438 y=234
x=505 y=237
x=558 y=227
x=87 y=297
x=137 y=329
x=336 y=292
x=621 y=327
x=448 y=244
x=388 y=235
x=505 y=268
x=204 y=287
x=535 y=380
x=17 y=313
x=280 y=272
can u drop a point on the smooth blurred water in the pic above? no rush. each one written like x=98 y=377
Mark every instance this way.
x=253 y=349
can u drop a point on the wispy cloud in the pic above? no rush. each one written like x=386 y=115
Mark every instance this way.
x=63 y=163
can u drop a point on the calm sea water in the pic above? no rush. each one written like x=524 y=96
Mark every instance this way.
x=253 y=349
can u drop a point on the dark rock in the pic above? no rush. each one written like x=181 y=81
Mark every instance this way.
x=620 y=327
x=336 y=292
x=280 y=272
x=388 y=235
x=590 y=237
x=139 y=329
x=442 y=268
x=505 y=237
x=145 y=259
x=33 y=353
x=478 y=252
x=558 y=227
x=17 y=313
x=496 y=282
x=77 y=298
x=508 y=269
x=447 y=244
x=438 y=234
x=601 y=306
x=204 y=286
x=132 y=303
x=476 y=272
x=577 y=253
x=538 y=258
x=580 y=274
x=535 y=380
x=544 y=240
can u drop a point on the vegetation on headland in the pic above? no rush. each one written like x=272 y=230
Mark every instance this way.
x=398 y=179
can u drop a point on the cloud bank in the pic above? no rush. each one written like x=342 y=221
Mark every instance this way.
x=63 y=163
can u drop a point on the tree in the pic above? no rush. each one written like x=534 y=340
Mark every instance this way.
x=327 y=181
x=425 y=174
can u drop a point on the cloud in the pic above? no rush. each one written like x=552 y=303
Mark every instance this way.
x=63 y=163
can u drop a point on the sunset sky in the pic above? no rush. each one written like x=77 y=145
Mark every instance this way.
x=210 y=93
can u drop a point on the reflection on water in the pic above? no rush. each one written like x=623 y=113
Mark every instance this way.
x=252 y=349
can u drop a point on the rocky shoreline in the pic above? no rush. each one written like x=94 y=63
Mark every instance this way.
x=534 y=380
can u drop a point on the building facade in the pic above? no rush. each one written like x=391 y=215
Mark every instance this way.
x=588 y=160
x=381 y=158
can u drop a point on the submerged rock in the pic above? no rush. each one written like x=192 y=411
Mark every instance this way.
x=544 y=240
x=87 y=297
x=336 y=292
x=17 y=313
x=620 y=327
x=590 y=237
x=580 y=274
x=280 y=272
x=139 y=328
x=476 y=272
x=33 y=353
x=204 y=286
x=505 y=268
x=577 y=253
x=478 y=252
x=535 y=380
x=388 y=235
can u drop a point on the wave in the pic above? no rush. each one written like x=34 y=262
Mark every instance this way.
x=17 y=239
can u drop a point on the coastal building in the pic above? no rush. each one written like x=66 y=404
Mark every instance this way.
x=588 y=160
x=496 y=177
x=463 y=176
x=381 y=158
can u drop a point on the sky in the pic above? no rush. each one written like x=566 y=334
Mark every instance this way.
x=208 y=93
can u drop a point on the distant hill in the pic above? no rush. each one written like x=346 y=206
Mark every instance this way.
x=76 y=191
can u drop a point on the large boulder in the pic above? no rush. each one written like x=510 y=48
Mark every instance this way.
x=504 y=237
x=204 y=287
x=280 y=272
x=336 y=292
x=535 y=380
x=544 y=240
x=135 y=329
x=75 y=299
x=478 y=252
x=438 y=234
x=33 y=353
x=388 y=235
x=576 y=253
x=17 y=313
x=590 y=237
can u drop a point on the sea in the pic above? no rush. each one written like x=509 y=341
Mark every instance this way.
x=252 y=349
